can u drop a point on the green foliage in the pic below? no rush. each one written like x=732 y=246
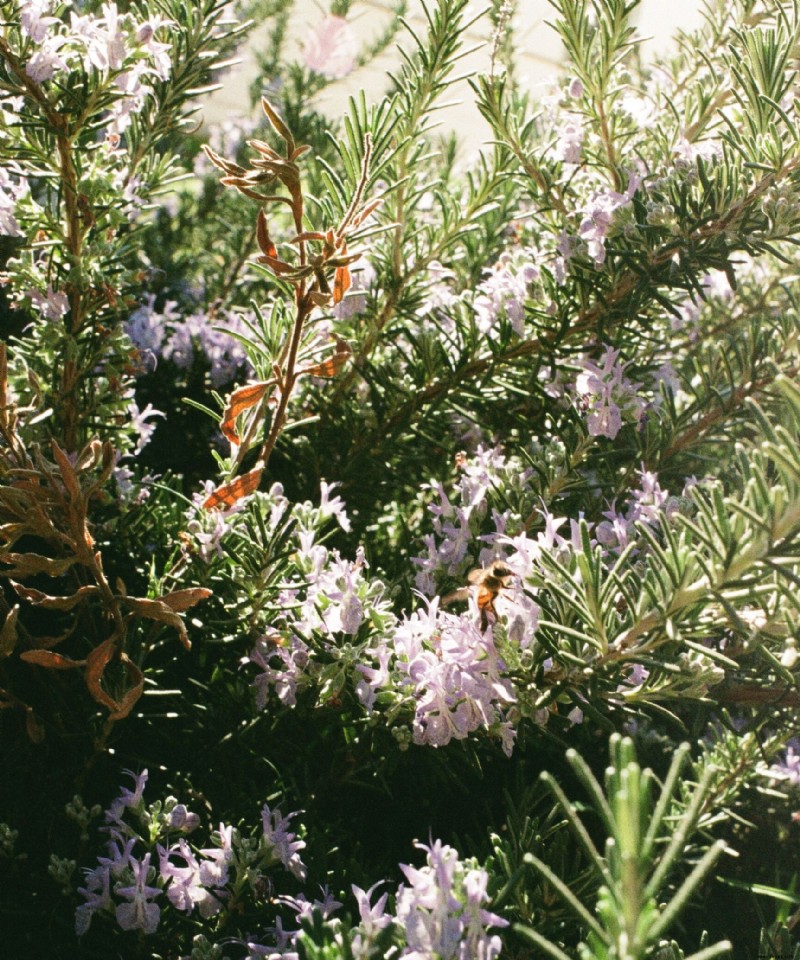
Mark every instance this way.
x=444 y=472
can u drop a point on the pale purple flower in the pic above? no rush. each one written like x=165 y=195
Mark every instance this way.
x=46 y=61
x=787 y=769
x=284 y=845
x=197 y=335
x=97 y=894
x=373 y=917
x=127 y=798
x=34 y=19
x=209 y=527
x=608 y=395
x=373 y=678
x=504 y=292
x=333 y=506
x=159 y=53
x=690 y=152
x=575 y=88
x=139 y=914
x=10 y=193
x=141 y=425
x=597 y=216
x=52 y=305
x=569 y=139
x=214 y=866
x=331 y=48
x=443 y=909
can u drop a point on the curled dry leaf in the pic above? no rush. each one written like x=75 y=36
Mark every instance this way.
x=182 y=600
x=268 y=248
x=331 y=366
x=67 y=471
x=32 y=564
x=230 y=493
x=50 y=659
x=8 y=632
x=96 y=663
x=39 y=599
x=243 y=398
x=341 y=283
x=160 y=611
x=33 y=726
x=276 y=121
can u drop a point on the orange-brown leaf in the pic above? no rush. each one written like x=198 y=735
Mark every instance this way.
x=132 y=694
x=31 y=564
x=44 y=600
x=240 y=400
x=181 y=600
x=96 y=663
x=230 y=493
x=67 y=471
x=362 y=215
x=50 y=659
x=331 y=366
x=276 y=121
x=159 y=611
x=8 y=633
x=341 y=283
x=263 y=237
x=33 y=726
x=308 y=235
x=277 y=266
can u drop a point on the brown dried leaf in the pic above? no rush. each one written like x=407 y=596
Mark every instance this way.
x=129 y=698
x=278 y=125
x=11 y=532
x=34 y=726
x=159 y=611
x=233 y=169
x=89 y=457
x=308 y=235
x=319 y=298
x=96 y=663
x=279 y=267
x=243 y=398
x=8 y=633
x=362 y=215
x=263 y=237
x=32 y=564
x=50 y=659
x=331 y=366
x=239 y=184
x=230 y=493
x=182 y=600
x=67 y=471
x=341 y=283
x=44 y=600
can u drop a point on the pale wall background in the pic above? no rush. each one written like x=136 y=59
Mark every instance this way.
x=537 y=44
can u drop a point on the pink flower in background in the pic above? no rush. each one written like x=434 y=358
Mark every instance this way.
x=331 y=48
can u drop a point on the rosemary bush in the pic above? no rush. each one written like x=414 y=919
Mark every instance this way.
x=400 y=553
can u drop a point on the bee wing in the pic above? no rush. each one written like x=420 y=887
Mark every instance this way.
x=476 y=575
x=456 y=596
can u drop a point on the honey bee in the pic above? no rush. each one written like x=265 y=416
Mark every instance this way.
x=485 y=585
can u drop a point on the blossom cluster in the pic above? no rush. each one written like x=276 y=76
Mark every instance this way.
x=166 y=334
x=606 y=395
x=149 y=861
x=442 y=910
x=113 y=44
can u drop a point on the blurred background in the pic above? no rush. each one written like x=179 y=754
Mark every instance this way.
x=537 y=46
